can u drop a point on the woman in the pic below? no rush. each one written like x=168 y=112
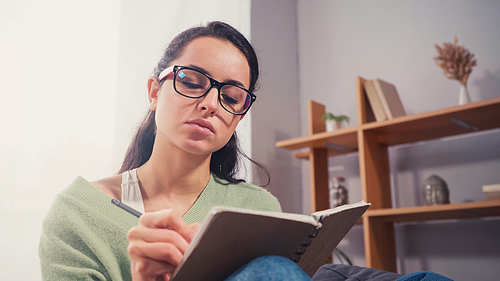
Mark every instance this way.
x=181 y=162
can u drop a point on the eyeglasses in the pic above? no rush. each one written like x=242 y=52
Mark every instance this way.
x=192 y=83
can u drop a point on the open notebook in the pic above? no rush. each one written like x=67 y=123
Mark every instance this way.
x=231 y=237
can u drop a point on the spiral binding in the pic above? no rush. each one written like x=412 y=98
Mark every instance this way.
x=307 y=242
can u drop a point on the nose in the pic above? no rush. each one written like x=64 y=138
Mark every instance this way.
x=210 y=102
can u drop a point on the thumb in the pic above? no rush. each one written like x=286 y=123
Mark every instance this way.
x=195 y=226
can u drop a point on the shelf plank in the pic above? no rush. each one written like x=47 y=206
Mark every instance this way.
x=305 y=155
x=481 y=115
x=438 y=212
x=319 y=179
x=374 y=171
x=471 y=117
x=347 y=138
x=380 y=238
x=316 y=111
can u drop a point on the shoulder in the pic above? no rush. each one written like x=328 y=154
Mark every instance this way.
x=247 y=195
x=83 y=228
x=78 y=197
x=81 y=203
x=110 y=185
x=69 y=207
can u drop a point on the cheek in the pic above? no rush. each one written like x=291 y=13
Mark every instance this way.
x=166 y=111
x=171 y=104
x=231 y=122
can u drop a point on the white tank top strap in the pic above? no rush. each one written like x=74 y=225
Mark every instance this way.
x=131 y=191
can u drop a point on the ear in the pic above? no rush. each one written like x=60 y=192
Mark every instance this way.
x=153 y=91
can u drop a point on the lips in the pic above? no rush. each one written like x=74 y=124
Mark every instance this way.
x=202 y=125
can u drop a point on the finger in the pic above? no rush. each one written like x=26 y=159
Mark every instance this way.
x=178 y=224
x=166 y=252
x=168 y=219
x=158 y=219
x=155 y=235
x=145 y=269
x=195 y=226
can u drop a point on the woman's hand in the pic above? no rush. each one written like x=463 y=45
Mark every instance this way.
x=157 y=244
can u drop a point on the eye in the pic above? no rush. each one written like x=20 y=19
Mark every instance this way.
x=191 y=85
x=232 y=95
x=229 y=100
x=190 y=80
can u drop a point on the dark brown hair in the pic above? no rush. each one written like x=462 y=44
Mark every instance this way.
x=224 y=162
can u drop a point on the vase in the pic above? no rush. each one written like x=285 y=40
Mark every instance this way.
x=332 y=125
x=338 y=193
x=463 y=96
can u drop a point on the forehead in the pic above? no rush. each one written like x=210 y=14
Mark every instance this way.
x=220 y=58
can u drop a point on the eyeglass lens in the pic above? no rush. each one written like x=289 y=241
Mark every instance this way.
x=194 y=84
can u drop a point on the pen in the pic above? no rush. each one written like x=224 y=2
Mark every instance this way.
x=126 y=207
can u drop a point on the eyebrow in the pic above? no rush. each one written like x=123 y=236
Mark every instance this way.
x=230 y=81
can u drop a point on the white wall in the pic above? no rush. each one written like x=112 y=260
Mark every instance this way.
x=57 y=87
x=394 y=41
x=72 y=88
x=276 y=115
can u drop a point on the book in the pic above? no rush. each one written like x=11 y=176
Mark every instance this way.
x=230 y=237
x=492 y=191
x=491 y=188
x=375 y=101
x=390 y=99
x=493 y=196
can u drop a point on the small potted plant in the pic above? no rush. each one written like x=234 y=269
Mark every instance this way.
x=333 y=122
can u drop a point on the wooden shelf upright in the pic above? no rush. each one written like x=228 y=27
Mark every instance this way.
x=371 y=140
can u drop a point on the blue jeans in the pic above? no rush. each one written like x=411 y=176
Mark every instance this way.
x=269 y=268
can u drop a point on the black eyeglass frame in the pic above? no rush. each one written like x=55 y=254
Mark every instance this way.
x=213 y=83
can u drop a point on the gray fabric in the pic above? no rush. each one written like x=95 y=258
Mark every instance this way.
x=341 y=272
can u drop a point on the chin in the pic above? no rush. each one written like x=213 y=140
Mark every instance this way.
x=200 y=148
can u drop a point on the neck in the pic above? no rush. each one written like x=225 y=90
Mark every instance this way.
x=173 y=178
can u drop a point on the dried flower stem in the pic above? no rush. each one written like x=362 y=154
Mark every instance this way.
x=456 y=61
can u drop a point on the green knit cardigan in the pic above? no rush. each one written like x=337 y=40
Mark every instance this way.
x=84 y=236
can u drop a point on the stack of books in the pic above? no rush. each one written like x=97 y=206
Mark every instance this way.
x=492 y=191
x=384 y=99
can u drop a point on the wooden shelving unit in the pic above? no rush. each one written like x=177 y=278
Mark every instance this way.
x=371 y=140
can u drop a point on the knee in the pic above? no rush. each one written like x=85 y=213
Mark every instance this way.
x=270 y=260
x=270 y=268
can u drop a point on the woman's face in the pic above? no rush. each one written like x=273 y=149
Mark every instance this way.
x=199 y=126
